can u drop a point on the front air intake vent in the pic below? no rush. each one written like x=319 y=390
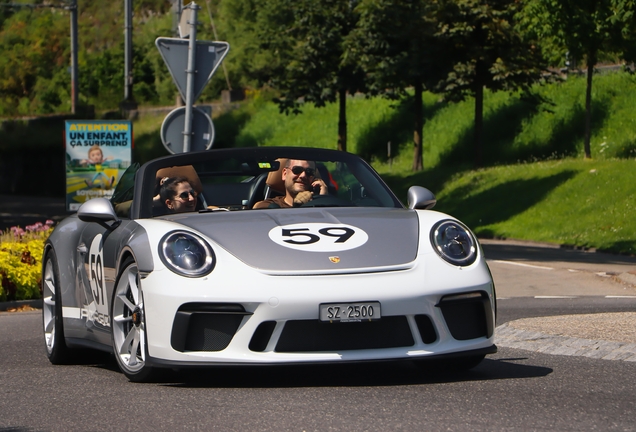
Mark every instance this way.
x=468 y=315
x=426 y=328
x=206 y=326
x=261 y=336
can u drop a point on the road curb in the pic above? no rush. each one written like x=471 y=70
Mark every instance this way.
x=629 y=278
x=4 y=306
x=548 y=245
x=508 y=336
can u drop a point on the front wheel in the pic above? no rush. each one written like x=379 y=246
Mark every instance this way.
x=128 y=324
x=56 y=349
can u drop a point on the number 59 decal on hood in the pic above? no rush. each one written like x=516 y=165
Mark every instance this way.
x=318 y=237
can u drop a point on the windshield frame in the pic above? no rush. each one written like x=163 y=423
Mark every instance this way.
x=145 y=179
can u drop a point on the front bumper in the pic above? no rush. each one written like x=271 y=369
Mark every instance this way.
x=246 y=317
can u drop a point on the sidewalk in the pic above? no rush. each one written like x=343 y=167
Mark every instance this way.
x=622 y=267
x=609 y=336
x=19 y=306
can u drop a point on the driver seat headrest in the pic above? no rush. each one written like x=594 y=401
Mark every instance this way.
x=275 y=178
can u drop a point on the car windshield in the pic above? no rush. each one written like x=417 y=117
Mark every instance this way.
x=240 y=179
x=123 y=194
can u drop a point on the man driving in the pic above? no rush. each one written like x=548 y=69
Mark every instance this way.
x=301 y=184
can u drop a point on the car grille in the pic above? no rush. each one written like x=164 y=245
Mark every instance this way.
x=315 y=335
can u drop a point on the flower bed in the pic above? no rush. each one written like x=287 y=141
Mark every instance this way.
x=21 y=261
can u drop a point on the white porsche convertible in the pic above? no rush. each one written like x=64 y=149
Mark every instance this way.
x=266 y=255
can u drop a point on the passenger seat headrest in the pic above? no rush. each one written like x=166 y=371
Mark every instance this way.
x=186 y=171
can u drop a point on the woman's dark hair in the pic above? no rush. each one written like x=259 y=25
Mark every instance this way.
x=168 y=188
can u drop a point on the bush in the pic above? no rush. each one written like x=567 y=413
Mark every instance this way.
x=21 y=261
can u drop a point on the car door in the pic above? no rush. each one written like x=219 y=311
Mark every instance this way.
x=95 y=268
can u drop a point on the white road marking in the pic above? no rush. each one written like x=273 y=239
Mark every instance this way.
x=522 y=264
x=566 y=297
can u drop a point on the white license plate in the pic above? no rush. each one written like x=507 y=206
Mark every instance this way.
x=350 y=312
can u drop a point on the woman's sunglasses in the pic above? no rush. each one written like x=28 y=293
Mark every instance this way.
x=298 y=170
x=184 y=195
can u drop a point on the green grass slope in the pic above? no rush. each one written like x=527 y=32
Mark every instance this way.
x=576 y=202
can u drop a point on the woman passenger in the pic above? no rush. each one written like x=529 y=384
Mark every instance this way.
x=177 y=195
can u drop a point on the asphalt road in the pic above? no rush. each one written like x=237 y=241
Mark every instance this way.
x=515 y=389
x=512 y=390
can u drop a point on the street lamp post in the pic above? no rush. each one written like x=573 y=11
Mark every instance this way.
x=129 y=100
x=74 y=50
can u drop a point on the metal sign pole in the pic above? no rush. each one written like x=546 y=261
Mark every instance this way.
x=74 y=55
x=129 y=99
x=188 y=128
x=192 y=49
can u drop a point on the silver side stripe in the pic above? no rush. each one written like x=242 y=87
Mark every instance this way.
x=71 y=312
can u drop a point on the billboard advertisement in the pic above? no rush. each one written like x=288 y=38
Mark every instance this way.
x=97 y=154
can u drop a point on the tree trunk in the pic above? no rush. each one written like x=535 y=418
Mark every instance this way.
x=591 y=61
x=479 y=125
x=418 y=163
x=342 y=120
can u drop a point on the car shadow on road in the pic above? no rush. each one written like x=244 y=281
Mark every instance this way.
x=349 y=375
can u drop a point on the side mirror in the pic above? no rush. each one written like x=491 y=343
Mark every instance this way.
x=421 y=198
x=98 y=210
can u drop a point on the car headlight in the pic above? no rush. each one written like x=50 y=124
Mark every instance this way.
x=454 y=242
x=186 y=254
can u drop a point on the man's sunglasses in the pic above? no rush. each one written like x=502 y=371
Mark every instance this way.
x=298 y=170
x=184 y=195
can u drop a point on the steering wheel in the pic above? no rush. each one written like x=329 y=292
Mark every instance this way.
x=327 y=201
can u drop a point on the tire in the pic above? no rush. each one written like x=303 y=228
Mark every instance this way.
x=127 y=320
x=56 y=349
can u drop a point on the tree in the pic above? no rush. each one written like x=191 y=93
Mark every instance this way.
x=297 y=47
x=584 y=28
x=5 y=10
x=625 y=20
x=248 y=65
x=34 y=47
x=487 y=52
x=395 y=44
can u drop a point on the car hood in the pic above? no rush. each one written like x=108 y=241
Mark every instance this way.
x=314 y=239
